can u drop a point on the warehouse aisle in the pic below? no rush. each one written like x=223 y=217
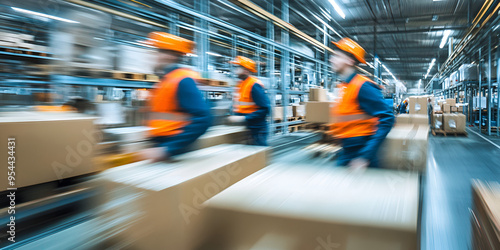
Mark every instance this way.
x=452 y=163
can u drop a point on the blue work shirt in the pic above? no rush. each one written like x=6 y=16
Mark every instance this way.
x=371 y=101
x=191 y=102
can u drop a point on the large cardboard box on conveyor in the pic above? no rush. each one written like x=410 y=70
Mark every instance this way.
x=485 y=217
x=49 y=146
x=454 y=123
x=418 y=105
x=128 y=140
x=158 y=205
x=412 y=119
x=405 y=148
x=319 y=112
x=305 y=206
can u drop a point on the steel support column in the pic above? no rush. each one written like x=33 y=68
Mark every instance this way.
x=488 y=99
x=285 y=64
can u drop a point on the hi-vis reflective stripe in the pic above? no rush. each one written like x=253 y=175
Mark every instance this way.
x=244 y=103
x=349 y=118
x=169 y=116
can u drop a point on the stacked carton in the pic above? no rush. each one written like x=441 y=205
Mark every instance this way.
x=304 y=206
x=319 y=112
x=405 y=148
x=418 y=105
x=412 y=119
x=318 y=95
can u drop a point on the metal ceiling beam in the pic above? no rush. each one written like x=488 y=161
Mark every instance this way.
x=390 y=32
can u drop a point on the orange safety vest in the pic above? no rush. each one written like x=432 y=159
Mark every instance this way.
x=165 y=118
x=243 y=101
x=350 y=119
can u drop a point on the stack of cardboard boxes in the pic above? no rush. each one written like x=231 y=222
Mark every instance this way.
x=318 y=108
x=449 y=119
x=405 y=147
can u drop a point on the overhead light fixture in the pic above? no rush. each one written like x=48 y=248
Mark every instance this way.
x=445 y=38
x=213 y=54
x=435 y=18
x=43 y=15
x=337 y=8
x=430 y=67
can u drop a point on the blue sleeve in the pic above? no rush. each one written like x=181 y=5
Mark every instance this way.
x=190 y=101
x=260 y=98
x=372 y=102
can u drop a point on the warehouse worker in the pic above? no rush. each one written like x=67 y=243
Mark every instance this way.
x=430 y=110
x=251 y=104
x=362 y=117
x=179 y=115
x=403 y=107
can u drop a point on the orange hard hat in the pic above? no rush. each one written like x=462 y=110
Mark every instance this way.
x=166 y=41
x=351 y=47
x=246 y=63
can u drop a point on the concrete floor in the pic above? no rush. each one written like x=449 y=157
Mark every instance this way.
x=452 y=163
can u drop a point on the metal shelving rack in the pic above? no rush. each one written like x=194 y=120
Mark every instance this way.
x=197 y=23
x=480 y=50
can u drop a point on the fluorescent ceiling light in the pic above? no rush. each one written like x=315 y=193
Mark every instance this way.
x=445 y=38
x=392 y=59
x=191 y=55
x=213 y=54
x=337 y=8
x=430 y=67
x=43 y=15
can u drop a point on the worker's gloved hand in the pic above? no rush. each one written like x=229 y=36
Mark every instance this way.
x=155 y=154
x=358 y=164
x=236 y=119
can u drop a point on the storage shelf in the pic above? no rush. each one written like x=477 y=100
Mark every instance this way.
x=214 y=88
x=74 y=80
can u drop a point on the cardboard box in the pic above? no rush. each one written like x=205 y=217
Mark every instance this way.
x=304 y=206
x=451 y=101
x=49 y=146
x=412 y=119
x=319 y=112
x=215 y=135
x=278 y=113
x=437 y=121
x=299 y=110
x=221 y=134
x=289 y=111
x=486 y=215
x=454 y=122
x=446 y=108
x=418 y=105
x=317 y=95
x=405 y=148
x=158 y=205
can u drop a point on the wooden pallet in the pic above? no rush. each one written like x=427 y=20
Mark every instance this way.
x=493 y=129
x=279 y=120
x=212 y=82
x=319 y=126
x=447 y=133
x=23 y=51
x=299 y=118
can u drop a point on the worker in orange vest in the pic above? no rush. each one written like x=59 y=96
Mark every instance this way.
x=362 y=117
x=251 y=104
x=179 y=115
